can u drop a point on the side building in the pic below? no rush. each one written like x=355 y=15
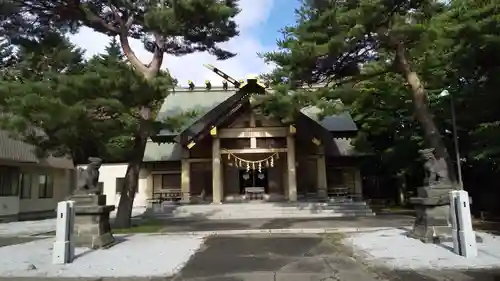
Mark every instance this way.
x=30 y=187
x=233 y=153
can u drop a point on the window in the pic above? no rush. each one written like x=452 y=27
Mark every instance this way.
x=9 y=181
x=120 y=184
x=167 y=181
x=45 y=186
x=25 y=185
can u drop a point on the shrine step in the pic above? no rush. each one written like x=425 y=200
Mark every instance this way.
x=265 y=210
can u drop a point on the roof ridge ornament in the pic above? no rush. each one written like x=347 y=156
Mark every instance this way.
x=223 y=75
x=252 y=83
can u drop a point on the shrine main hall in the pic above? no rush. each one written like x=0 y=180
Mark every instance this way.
x=233 y=153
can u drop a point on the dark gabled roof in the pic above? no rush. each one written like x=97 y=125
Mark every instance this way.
x=198 y=99
x=15 y=150
x=12 y=150
x=216 y=102
x=205 y=121
x=341 y=122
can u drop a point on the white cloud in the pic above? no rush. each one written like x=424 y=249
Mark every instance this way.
x=190 y=67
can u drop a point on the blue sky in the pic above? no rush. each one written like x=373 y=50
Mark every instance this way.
x=282 y=14
x=259 y=23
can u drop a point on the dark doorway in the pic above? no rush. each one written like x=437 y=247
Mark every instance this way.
x=253 y=178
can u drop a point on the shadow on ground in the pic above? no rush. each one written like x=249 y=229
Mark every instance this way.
x=439 y=275
x=8 y=241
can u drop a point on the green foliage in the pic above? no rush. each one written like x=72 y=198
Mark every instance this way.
x=113 y=51
x=179 y=27
x=65 y=105
x=450 y=45
x=332 y=39
x=473 y=40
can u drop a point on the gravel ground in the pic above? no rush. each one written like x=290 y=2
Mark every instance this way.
x=393 y=249
x=137 y=255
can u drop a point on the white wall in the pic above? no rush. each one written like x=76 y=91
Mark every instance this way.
x=108 y=173
x=9 y=206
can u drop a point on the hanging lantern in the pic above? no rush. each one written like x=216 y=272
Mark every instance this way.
x=261 y=176
x=246 y=176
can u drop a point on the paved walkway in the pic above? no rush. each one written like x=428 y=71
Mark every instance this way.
x=273 y=257
x=46 y=227
x=292 y=258
x=301 y=257
x=186 y=225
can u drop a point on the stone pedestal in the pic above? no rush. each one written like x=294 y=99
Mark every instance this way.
x=432 y=206
x=92 y=225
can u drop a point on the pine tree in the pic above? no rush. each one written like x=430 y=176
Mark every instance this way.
x=113 y=51
x=66 y=106
x=172 y=27
x=331 y=38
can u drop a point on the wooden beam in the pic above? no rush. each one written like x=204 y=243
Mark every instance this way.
x=253 y=150
x=199 y=160
x=261 y=132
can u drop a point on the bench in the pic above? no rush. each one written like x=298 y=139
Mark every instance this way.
x=169 y=195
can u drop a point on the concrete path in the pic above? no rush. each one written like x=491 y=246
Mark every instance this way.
x=305 y=257
x=288 y=257
x=272 y=257
x=300 y=257
x=185 y=225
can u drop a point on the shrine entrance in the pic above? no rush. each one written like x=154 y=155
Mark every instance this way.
x=254 y=174
x=253 y=178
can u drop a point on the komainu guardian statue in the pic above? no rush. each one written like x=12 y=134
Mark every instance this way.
x=88 y=179
x=436 y=170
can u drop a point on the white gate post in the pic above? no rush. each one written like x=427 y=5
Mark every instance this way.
x=63 y=250
x=464 y=238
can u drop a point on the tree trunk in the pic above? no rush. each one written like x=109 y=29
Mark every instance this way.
x=125 y=206
x=150 y=71
x=422 y=112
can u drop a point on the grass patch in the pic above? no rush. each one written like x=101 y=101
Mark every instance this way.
x=148 y=225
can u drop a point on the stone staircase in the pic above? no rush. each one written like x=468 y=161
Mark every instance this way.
x=264 y=210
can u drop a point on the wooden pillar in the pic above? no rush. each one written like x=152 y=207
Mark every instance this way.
x=185 y=181
x=292 y=177
x=321 y=181
x=253 y=140
x=358 y=184
x=216 y=171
